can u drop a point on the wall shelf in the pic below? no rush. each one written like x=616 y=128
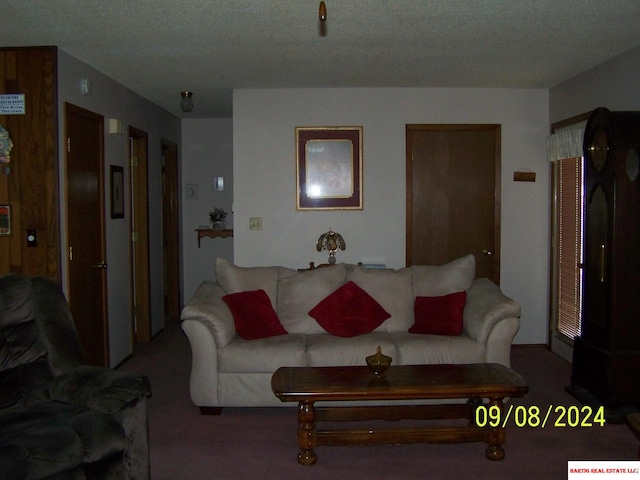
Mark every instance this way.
x=209 y=232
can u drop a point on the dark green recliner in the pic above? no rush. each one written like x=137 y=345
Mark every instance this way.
x=61 y=419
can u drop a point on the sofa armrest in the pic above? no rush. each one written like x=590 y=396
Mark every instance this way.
x=203 y=380
x=98 y=388
x=485 y=309
x=207 y=306
x=208 y=324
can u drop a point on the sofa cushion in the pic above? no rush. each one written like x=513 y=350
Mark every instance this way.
x=265 y=355
x=437 y=349
x=439 y=315
x=327 y=350
x=253 y=315
x=391 y=289
x=234 y=279
x=349 y=311
x=434 y=281
x=299 y=292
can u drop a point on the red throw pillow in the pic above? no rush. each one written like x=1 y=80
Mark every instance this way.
x=349 y=311
x=253 y=315
x=439 y=315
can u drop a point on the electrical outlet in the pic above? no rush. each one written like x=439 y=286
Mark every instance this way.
x=255 y=223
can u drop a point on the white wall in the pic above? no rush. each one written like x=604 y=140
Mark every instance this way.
x=265 y=179
x=612 y=84
x=112 y=100
x=207 y=152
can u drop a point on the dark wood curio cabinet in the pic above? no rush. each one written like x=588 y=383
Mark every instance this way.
x=606 y=356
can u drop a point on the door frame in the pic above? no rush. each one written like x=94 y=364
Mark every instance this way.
x=170 y=231
x=139 y=236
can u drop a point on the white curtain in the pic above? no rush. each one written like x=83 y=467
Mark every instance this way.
x=565 y=144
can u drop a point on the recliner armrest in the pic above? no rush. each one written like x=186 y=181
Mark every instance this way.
x=99 y=388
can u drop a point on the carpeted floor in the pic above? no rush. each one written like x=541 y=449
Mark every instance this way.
x=252 y=443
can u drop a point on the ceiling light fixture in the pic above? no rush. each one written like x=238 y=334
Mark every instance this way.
x=186 y=103
x=322 y=12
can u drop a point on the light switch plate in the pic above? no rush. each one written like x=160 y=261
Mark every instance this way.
x=191 y=191
x=255 y=223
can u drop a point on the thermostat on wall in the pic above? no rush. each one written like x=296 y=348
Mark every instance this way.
x=85 y=86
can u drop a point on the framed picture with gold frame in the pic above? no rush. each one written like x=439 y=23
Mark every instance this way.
x=329 y=168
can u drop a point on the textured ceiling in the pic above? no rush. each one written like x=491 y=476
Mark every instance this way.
x=159 y=47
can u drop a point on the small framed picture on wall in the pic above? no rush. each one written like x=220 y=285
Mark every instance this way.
x=5 y=220
x=117 y=192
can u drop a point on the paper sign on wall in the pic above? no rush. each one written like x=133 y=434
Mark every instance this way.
x=12 y=104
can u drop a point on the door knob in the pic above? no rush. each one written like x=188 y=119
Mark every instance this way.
x=100 y=265
x=487 y=253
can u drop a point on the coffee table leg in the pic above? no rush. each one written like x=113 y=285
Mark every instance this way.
x=473 y=403
x=306 y=433
x=497 y=435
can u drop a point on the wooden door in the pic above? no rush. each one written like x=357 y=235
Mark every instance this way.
x=170 y=236
x=85 y=231
x=140 y=292
x=453 y=195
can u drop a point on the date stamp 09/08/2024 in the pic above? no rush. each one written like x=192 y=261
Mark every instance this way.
x=534 y=417
x=558 y=416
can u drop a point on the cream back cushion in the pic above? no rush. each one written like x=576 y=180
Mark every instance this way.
x=299 y=292
x=435 y=281
x=234 y=279
x=392 y=290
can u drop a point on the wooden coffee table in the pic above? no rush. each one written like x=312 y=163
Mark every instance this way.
x=307 y=385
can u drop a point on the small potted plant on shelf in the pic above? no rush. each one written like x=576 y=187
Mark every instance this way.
x=217 y=217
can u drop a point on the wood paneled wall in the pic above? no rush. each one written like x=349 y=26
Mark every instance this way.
x=31 y=188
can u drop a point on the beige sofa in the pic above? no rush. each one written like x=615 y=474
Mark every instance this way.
x=462 y=320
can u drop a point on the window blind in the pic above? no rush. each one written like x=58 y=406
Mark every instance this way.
x=569 y=223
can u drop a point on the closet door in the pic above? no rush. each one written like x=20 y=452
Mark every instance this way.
x=453 y=195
